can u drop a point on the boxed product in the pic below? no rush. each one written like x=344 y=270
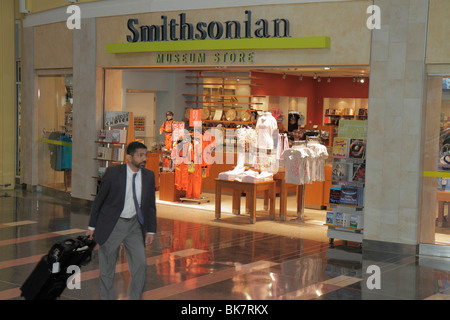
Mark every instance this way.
x=339 y=220
x=335 y=194
x=116 y=136
x=349 y=195
x=341 y=171
x=342 y=219
x=357 y=149
x=359 y=172
x=356 y=221
x=340 y=147
x=101 y=171
x=330 y=217
x=119 y=154
x=104 y=153
x=360 y=196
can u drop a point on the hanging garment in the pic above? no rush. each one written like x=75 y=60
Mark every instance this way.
x=167 y=128
x=208 y=145
x=194 y=186
x=294 y=162
x=265 y=126
x=298 y=163
x=320 y=154
x=293 y=121
x=181 y=159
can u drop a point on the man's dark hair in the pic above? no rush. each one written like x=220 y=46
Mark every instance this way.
x=133 y=146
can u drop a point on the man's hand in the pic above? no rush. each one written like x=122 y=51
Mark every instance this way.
x=90 y=234
x=149 y=239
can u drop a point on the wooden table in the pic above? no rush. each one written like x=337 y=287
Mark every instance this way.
x=280 y=180
x=251 y=189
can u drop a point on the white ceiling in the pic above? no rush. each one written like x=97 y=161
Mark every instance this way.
x=306 y=71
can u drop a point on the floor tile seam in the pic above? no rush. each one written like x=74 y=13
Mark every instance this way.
x=200 y=281
x=303 y=254
x=326 y=284
x=17 y=223
x=236 y=242
x=391 y=266
x=244 y=229
x=93 y=274
x=14 y=241
x=248 y=238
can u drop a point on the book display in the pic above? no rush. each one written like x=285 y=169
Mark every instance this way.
x=346 y=220
x=112 y=141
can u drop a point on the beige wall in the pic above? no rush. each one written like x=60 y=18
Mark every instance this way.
x=7 y=94
x=53 y=46
x=343 y=22
x=438 y=46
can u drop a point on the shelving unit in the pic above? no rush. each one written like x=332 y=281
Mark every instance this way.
x=112 y=145
x=335 y=109
x=224 y=99
x=346 y=220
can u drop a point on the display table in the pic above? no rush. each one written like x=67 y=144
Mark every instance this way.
x=167 y=190
x=251 y=189
x=280 y=180
x=153 y=165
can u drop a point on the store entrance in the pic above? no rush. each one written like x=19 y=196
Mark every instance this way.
x=55 y=132
x=435 y=224
x=305 y=102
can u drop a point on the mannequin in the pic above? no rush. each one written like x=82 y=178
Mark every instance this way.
x=167 y=128
x=265 y=126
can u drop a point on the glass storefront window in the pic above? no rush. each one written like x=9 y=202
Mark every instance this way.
x=435 y=222
x=55 y=132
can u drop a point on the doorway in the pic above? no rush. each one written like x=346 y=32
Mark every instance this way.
x=143 y=105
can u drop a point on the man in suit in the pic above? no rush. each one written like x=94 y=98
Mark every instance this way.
x=124 y=211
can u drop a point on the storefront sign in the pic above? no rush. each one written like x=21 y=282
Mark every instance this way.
x=178 y=35
x=181 y=30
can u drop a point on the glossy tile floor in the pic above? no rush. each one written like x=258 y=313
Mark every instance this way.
x=195 y=257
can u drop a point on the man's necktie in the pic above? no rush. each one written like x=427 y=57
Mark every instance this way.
x=136 y=203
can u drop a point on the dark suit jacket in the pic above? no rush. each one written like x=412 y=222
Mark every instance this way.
x=109 y=202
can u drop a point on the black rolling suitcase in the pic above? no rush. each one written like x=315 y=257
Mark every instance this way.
x=49 y=278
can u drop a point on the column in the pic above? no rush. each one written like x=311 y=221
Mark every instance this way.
x=87 y=110
x=394 y=172
x=7 y=94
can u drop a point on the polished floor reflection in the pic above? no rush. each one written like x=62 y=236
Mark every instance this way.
x=195 y=257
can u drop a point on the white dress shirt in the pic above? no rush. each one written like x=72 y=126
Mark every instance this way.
x=129 y=210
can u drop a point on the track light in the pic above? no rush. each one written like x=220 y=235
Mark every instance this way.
x=329 y=79
x=354 y=79
x=301 y=77
x=284 y=76
x=318 y=79
x=362 y=80
x=315 y=76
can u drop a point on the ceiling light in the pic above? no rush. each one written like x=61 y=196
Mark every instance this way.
x=327 y=68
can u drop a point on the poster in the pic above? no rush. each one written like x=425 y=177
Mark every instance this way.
x=195 y=115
